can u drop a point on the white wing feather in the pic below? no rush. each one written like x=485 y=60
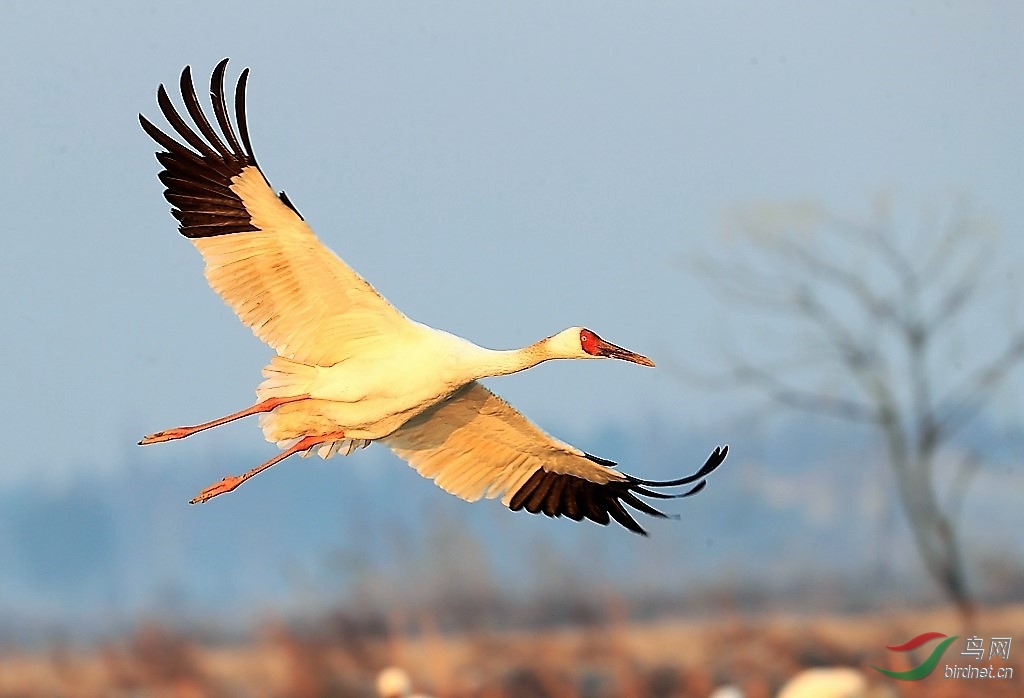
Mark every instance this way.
x=261 y=257
x=312 y=308
x=294 y=292
x=476 y=445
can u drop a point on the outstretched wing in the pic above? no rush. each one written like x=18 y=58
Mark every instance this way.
x=476 y=445
x=261 y=257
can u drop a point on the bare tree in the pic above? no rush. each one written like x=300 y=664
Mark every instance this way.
x=871 y=322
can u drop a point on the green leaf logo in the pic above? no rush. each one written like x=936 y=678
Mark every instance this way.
x=925 y=667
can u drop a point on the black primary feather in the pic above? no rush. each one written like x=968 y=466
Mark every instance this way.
x=559 y=494
x=198 y=178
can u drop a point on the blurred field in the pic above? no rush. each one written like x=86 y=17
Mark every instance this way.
x=606 y=658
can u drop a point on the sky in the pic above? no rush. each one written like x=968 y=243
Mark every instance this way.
x=498 y=170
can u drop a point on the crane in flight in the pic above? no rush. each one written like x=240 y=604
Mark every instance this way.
x=349 y=367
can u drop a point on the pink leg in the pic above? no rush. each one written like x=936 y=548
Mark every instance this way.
x=181 y=432
x=232 y=481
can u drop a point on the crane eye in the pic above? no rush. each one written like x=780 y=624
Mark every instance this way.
x=588 y=341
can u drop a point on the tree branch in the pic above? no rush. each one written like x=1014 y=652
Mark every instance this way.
x=835 y=275
x=966 y=470
x=746 y=284
x=878 y=306
x=967 y=401
x=801 y=399
x=875 y=234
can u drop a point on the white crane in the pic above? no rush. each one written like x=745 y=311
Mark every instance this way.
x=350 y=368
x=831 y=682
x=394 y=682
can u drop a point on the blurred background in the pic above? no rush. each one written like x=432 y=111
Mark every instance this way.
x=809 y=215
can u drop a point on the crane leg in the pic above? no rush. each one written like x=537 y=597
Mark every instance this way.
x=181 y=432
x=232 y=481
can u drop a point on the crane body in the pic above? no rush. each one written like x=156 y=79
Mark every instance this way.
x=350 y=368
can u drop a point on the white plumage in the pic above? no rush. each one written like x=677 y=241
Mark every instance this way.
x=350 y=368
x=394 y=682
x=827 y=682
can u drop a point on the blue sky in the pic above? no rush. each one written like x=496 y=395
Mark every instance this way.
x=499 y=170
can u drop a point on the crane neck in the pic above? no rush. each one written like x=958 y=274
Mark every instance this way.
x=501 y=362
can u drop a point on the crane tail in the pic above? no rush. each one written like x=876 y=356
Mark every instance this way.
x=285 y=378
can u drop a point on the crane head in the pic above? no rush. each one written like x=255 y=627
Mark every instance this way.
x=581 y=343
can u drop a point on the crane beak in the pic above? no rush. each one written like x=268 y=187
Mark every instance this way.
x=612 y=351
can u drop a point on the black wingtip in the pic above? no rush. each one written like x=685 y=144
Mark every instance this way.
x=201 y=158
x=288 y=202
x=716 y=458
x=696 y=489
x=597 y=459
x=560 y=494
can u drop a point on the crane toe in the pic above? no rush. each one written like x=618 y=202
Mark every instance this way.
x=225 y=485
x=166 y=435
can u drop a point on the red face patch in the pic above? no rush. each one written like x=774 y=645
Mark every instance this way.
x=588 y=340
